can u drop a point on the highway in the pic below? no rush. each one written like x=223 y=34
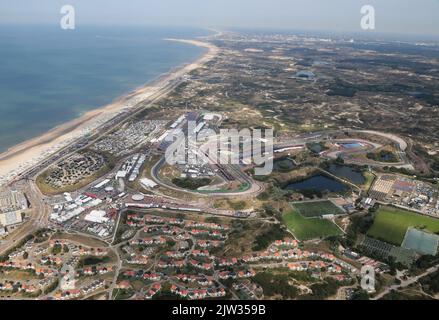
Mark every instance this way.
x=40 y=210
x=400 y=143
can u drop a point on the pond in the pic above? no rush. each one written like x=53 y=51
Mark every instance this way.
x=387 y=157
x=305 y=74
x=283 y=164
x=352 y=145
x=318 y=183
x=348 y=173
x=316 y=147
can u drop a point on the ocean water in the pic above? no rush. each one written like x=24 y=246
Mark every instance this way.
x=49 y=76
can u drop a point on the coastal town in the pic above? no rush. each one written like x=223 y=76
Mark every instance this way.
x=99 y=212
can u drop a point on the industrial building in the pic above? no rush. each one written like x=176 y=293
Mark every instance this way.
x=10 y=218
x=12 y=204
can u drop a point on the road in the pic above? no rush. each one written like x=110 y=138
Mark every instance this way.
x=402 y=146
x=406 y=283
x=342 y=180
x=39 y=218
x=255 y=187
x=116 y=271
x=41 y=211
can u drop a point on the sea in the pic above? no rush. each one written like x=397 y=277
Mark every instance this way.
x=49 y=76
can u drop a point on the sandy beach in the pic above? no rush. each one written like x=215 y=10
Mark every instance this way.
x=29 y=153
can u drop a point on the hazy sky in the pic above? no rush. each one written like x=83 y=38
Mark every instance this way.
x=396 y=16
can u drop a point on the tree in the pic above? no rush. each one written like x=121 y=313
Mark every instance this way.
x=360 y=295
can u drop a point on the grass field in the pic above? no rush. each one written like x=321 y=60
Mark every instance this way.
x=316 y=208
x=307 y=228
x=391 y=224
x=369 y=180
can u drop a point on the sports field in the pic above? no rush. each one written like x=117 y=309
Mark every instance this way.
x=421 y=241
x=317 y=208
x=310 y=228
x=391 y=224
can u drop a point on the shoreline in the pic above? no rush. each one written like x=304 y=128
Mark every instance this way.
x=25 y=155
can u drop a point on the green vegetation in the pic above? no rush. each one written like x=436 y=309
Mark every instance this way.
x=239 y=205
x=383 y=156
x=263 y=240
x=191 y=183
x=208 y=219
x=317 y=208
x=244 y=187
x=360 y=294
x=306 y=229
x=170 y=243
x=358 y=225
x=273 y=193
x=423 y=263
x=123 y=294
x=398 y=295
x=391 y=224
x=274 y=285
x=92 y=260
x=284 y=164
x=41 y=235
x=341 y=88
x=311 y=193
x=51 y=287
x=32 y=295
x=322 y=290
x=316 y=147
x=123 y=227
x=370 y=178
x=166 y=294
x=5 y=257
x=432 y=160
x=430 y=283
x=57 y=249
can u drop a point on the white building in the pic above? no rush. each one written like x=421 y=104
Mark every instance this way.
x=10 y=218
x=148 y=183
x=97 y=216
x=12 y=204
x=101 y=184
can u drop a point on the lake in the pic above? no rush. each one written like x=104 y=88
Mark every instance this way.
x=318 y=183
x=348 y=173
